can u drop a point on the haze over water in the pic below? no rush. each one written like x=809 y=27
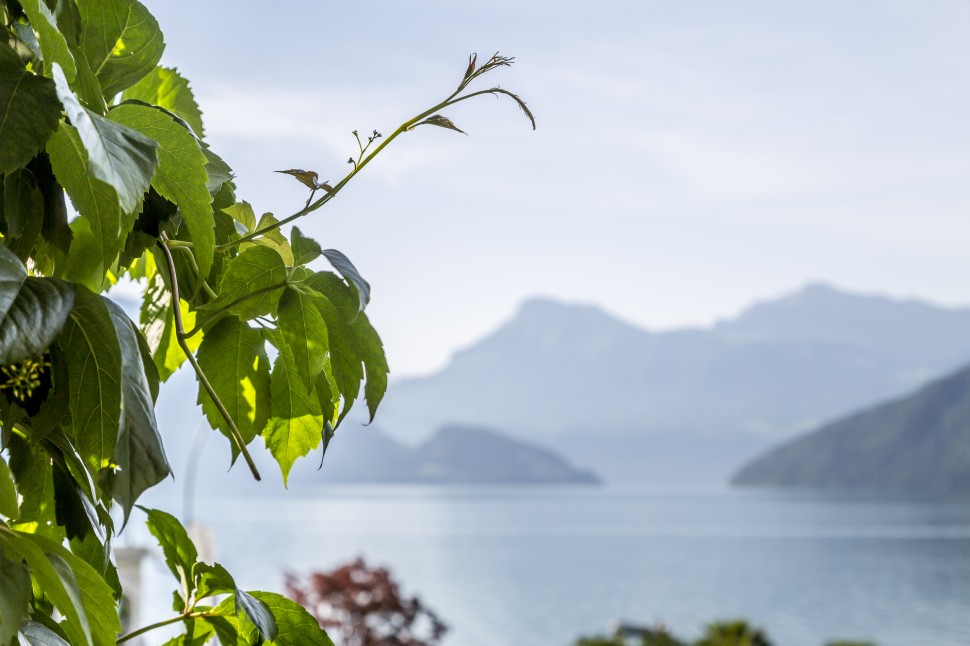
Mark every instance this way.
x=543 y=565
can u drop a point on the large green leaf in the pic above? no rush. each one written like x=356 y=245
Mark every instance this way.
x=252 y=284
x=32 y=471
x=139 y=452
x=97 y=232
x=273 y=239
x=15 y=597
x=304 y=249
x=29 y=111
x=296 y=421
x=181 y=174
x=35 y=318
x=303 y=330
x=23 y=210
x=12 y=275
x=57 y=582
x=95 y=595
x=166 y=88
x=117 y=155
x=93 y=354
x=121 y=40
x=53 y=45
x=178 y=549
x=233 y=357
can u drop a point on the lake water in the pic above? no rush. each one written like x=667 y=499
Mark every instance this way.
x=543 y=565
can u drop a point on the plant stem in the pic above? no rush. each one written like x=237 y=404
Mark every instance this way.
x=225 y=308
x=160 y=624
x=404 y=127
x=180 y=335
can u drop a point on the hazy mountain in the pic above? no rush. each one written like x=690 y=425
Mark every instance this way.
x=920 y=443
x=684 y=405
x=454 y=454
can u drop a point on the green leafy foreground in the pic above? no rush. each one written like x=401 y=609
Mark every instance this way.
x=280 y=351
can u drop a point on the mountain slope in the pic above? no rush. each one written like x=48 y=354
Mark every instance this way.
x=620 y=395
x=920 y=443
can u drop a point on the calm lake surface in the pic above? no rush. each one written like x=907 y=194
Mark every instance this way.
x=543 y=565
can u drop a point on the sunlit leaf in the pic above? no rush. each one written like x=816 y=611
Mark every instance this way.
x=166 y=88
x=252 y=284
x=121 y=40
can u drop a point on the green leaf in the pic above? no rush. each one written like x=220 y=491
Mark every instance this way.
x=259 y=613
x=35 y=318
x=273 y=239
x=357 y=338
x=139 y=453
x=93 y=354
x=197 y=632
x=212 y=580
x=296 y=419
x=57 y=581
x=220 y=175
x=8 y=494
x=164 y=87
x=12 y=275
x=346 y=268
x=95 y=595
x=37 y=634
x=243 y=214
x=23 y=210
x=97 y=233
x=180 y=553
x=117 y=155
x=121 y=40
x=304 y=249
x=29 y=111
x=53 y=45
x=180 y=176
x=296 y=626
x=303 y=330
x=15 y=597
x=233 y=357
x=252 y=284
x=31 y=468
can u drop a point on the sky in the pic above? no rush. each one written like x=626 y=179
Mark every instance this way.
x=690 y=158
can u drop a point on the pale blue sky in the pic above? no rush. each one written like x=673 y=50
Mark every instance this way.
x=691 y=157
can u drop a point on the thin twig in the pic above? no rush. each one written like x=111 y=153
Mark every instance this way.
x=180 y=335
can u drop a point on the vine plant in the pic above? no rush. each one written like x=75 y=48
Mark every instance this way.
x=86 y=110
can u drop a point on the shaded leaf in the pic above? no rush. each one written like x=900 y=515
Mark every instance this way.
x=12 y=275
x=157 y=323
x=29 y=111
x=259 y=613
x=37 y=634
x=212 y=580
x=93 y=355
x=97 y=233
x=35 y=318
x=15 y=597
x=8 y=494
x=117 y=155
x=53 y=45
x=233 y=357
x=139 y=453
x=23 y=210
x=180 y=175
x=346 y=269
x=166 y=88
x=31 y=469
x=121 y=41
